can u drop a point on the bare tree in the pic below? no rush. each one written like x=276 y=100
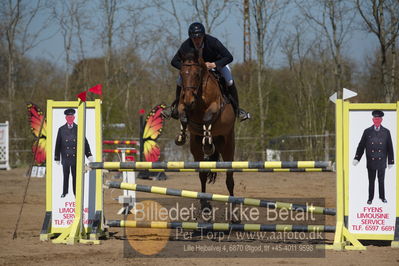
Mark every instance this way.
x=175 y=12
x=267 y=15
x=17 y=17
x=377 y=16
x=394 y=20
x=333 y=19
x=131 y=25
x=212 y=13
x=63 y=13
x=109 y=9
x=310 y=68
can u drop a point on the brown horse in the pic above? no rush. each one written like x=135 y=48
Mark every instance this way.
x=208 y=116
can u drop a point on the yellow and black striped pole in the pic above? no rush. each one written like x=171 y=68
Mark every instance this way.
x=221 y=170
x=222 y=226
x=209 y=165
x=223 y=198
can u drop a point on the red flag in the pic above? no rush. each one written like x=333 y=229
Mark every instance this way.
x=82 y=96
x=98 y=89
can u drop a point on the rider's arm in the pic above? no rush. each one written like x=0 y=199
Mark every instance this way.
x=226 y=57
x=176 y=61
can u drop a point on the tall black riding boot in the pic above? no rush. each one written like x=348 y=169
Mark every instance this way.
x=175 y=112
x=233 y=96
x=172 y=110
x=243 y=115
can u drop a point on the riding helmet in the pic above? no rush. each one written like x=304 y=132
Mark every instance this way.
x=195 y=30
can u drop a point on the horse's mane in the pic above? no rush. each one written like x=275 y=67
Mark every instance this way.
x=191 y=55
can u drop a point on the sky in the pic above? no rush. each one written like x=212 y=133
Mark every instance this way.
x=360 y=43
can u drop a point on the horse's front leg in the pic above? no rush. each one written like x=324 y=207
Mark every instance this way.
x=208 y=146
x=207 y=143
x=181 y=137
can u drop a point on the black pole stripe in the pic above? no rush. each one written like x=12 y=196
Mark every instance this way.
x=143 y=188
x=191 y=165
x=289 y=164
x=127 y=165
x=195 y=165
x=268 y=227
x=160 y=165
x=205 y=226
x=259 y=165
x=300 y=228
x=322 y=164
x=236 y=227
x=236 y=200
x=206 y=196
x=114 y=185
x=174 y=192
x=222 y=165
x=329 y=228
x=97 y=165
x=114 y=223
x=268 y=204
x=329 y=211
x=175 y=225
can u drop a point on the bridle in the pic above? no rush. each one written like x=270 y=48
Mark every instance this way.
x=195 y=88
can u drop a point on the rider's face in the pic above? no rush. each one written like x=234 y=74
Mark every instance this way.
x=197 y=41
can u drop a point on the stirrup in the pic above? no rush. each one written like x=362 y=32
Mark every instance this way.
x=170 y=112
x=243 y=115
x=167 y=113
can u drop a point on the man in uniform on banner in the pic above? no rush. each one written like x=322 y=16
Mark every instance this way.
x=378 y=144
x=65 y=146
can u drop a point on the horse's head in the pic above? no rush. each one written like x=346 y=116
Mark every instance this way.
x=191 y=72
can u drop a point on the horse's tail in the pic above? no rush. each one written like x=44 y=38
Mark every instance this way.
x=211 y=176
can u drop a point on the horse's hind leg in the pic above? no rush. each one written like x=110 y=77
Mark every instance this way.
x=228 y=155
x=196 y=151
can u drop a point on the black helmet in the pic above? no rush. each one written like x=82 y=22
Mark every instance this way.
x=196 y=30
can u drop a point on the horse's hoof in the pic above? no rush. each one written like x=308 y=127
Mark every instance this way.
x=180 y=139
x=211 y=178
x=208 y=149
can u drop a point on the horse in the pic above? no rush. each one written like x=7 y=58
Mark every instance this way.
x=209 y=117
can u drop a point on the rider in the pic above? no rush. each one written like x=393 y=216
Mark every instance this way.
x=215 y=56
